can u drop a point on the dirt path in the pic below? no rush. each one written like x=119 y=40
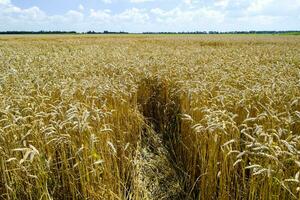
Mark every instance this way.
x=157 y=178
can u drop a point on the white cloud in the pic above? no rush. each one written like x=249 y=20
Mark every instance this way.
x=287 y=9
x=4 y=2
x=81 y=7
x=258 y=5
x=189 y=2
x=187 y=15
x=259 y=20
x=193 y=15
x=33 y=18
x=74 y=15
x=11 y=10
x=133 y=15
x=221 y=3
x=101 y=16
x=33 y=13
x=188 y=19
x=140 y=1
x=107 y=1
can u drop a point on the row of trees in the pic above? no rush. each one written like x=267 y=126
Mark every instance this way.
x=38 y=32
x=122 y=32
x=227 y=32
x=60 y=32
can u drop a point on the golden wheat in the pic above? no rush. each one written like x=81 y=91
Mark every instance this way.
x=115 y=117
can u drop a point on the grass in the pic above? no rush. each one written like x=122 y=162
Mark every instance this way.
x=97 y=117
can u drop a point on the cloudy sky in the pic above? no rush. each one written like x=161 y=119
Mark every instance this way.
x=149 y=15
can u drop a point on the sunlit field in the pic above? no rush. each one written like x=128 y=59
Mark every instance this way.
x=150 y=117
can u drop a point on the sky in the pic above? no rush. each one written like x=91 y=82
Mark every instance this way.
x=149 y=15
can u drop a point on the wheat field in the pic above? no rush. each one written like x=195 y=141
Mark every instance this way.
x=150 y=117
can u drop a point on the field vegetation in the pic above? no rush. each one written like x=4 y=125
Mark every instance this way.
x=150 y=117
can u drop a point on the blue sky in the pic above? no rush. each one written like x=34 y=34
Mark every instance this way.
x=149 y=15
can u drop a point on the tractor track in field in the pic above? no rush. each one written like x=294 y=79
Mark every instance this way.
x=157 y=172
x=157 y=177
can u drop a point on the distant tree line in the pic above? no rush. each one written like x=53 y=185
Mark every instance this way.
x=123 y=32
x=106 y=32
x=38 y=32
x=227 y=32
x=60 y=32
